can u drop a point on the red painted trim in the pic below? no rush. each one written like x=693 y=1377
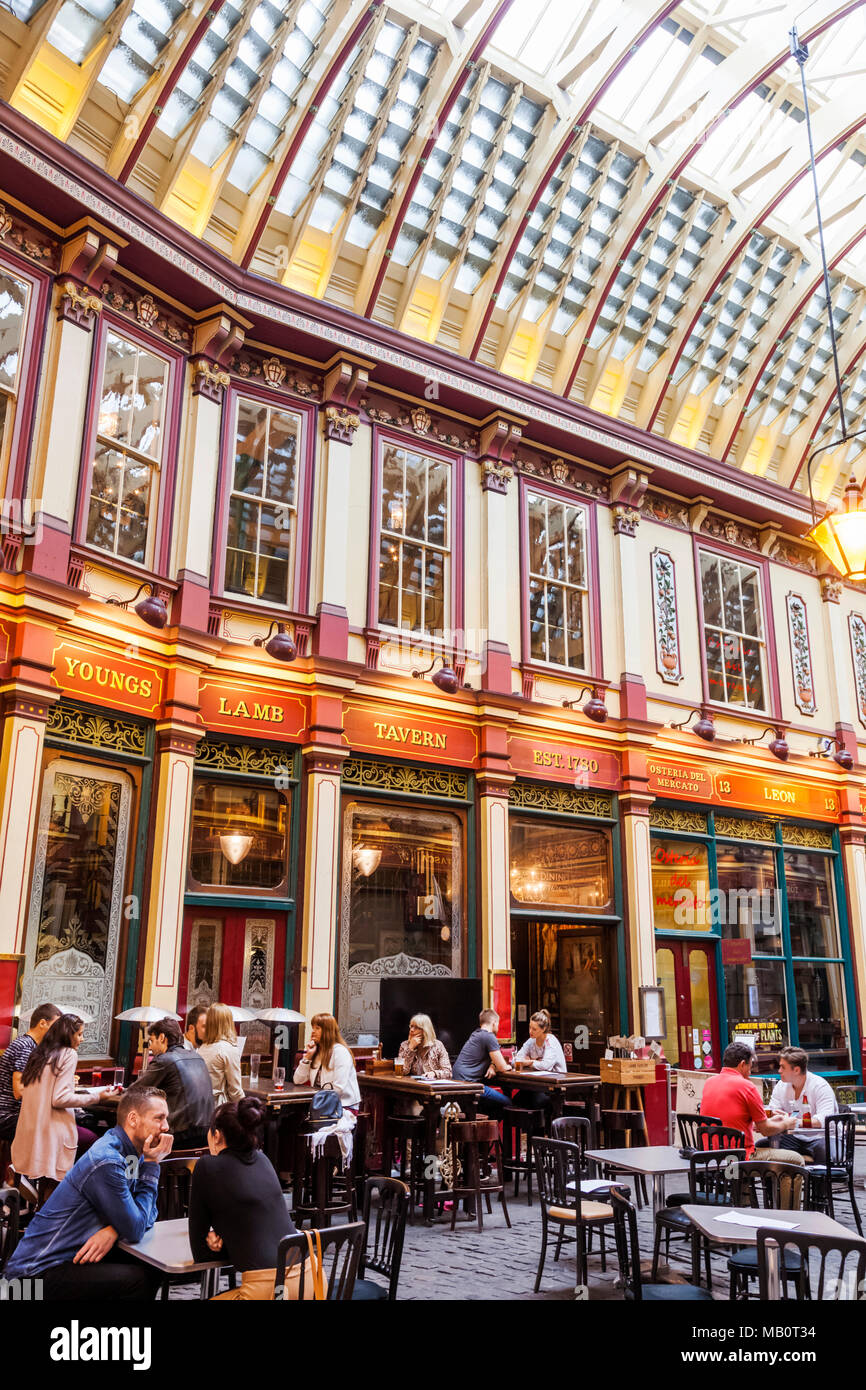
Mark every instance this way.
x=772 y=687
x=309 y=116
x=169 y=85
x=32 y=351
x=299 y=598
x=682 y=163
x=442 y=115
x=798 y=309
x=159 y=542
x=595 y=661
x=456 y=617
x=738 y=247
x=552 y=167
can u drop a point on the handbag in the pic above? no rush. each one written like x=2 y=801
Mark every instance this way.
x=316 y=1265
x=326 y=1106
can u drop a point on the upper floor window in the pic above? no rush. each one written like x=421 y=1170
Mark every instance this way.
x=130 y=434
x=263 y=503
x=14 y=300
x=415 y=541
x=733 y=632
x=558 y=591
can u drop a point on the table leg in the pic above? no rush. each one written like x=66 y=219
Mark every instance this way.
x=557 y=1099
x=658 y=1193
x=774 y=1271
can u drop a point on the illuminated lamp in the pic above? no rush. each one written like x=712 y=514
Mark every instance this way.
x=366 y=859
x=151 y=610
x=594 y=709
x=235 y=845
x=277 y=644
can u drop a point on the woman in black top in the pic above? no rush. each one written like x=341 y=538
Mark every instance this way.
x=236 y=1204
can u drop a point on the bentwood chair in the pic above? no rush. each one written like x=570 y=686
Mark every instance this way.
x=713 y=1181
x=382 y=1251
x=563 y=1203
x=840 y=1137
x=837 y=1267
x=10 y=1215
x=691 y=1126
x=341 y=1255
x=774 y=1186
x=577 y=1129
x=628 y=1250
x=707 y=1134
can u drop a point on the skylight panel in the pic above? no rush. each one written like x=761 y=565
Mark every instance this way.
x=78 y=27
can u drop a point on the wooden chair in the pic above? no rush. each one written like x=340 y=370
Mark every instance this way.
x=779 y=1187
x=713 y=1181
x=628 y=1249
x=691 y=1126
x=837 y=1266
x=382 y=1251
x=341 y=1255
x=476 y=1152
x=840 y=1137
x=563 y=1204
x=10 y=1223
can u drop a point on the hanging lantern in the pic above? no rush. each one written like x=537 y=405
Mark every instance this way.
x=235 y=845
x=366 y=859
x=842 y=535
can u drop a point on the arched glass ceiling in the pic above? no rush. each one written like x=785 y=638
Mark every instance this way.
x=612 y=201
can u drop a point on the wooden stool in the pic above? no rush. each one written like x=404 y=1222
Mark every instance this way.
x=629 y=1099
x=517 y=1123
x=404 y=1135
x=477 y=1146
x=321 y=1189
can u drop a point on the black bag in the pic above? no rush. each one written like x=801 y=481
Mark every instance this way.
x=326 y=1106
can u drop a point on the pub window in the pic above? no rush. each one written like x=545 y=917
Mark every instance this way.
x=14 y=302
x=557 y=865
x=415 y=541
x=239 y=837
x=681 y=885
x=130 y=437
x=733 y=632
x=819 y=979
x=558 y=594
x=263 y=503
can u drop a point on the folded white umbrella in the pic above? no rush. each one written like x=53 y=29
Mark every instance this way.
x=242 y=1015
x=144 y=1013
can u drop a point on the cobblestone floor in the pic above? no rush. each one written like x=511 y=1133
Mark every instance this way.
x=498 y=1263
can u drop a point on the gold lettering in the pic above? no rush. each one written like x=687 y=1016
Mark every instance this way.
x=416 y=735
x=132 y=684
x=440 y=740
x=380 y=730
x=428 y=739
x=223 y=708
x=536 y=757
x=144 y=689
x=276 y=714
x=86 y=671
x=242 y=710
x=117 y=680
x=260 y=712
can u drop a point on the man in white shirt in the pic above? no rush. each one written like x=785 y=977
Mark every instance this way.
x=799 y=1091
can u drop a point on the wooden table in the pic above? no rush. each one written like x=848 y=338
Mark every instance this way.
x=560 y=1085
x=431 y=1096
x=293 y=1100
x=166 y=1247
x=653 y=1161
x=806 y=1223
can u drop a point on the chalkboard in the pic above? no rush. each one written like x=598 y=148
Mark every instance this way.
x=452 y=1004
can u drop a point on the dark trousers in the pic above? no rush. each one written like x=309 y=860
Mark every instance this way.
x=809 y=1146
x=7 y=1130
x=492 y=1103
x=119 y=1278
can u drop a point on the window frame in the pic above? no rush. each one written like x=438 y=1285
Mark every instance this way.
x=455 y=590
x=280 y=891
x=17 y=443
x=593 y=667
x=770 y=667
x=298 y=600
x=160 y=515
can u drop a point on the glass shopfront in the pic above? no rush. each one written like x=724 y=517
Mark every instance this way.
x=768 y=897
x=564 y=917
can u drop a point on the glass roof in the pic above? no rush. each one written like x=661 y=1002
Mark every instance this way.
x=612 y=201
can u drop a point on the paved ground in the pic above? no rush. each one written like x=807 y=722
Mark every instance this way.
x=501 y=1264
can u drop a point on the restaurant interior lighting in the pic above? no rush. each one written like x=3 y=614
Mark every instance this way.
x=594 y=709
x=367 y=859
x=277 y=644
x=235 y=845
x=151 y=610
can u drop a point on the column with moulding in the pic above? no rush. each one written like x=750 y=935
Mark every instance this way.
x=345 y=381
x=323 y=759
x=494 y=781
x=498 y=444
x=837 y=643
x=86 y=261
x=627 y=487
x=852 y=840
x=215 y=343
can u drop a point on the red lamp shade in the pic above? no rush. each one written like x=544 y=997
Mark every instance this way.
x=595 y=709
x=281 y=647
x=705 y=728
x=446 y=680
x=152 y=611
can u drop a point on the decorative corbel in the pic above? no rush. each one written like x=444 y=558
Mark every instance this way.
x=768 y=539
x=698 y=512
x=831 y=588
x=86 y=261
x=340 y=424
x=220 y=336
x=628 y=487
x=625 y=520
x=346 y=379
x=498 y=443
x=208 y=380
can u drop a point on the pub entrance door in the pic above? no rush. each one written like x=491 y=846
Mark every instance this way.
x=686 y=970
x=569 y=969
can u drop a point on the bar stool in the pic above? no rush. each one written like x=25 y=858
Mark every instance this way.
x=476 y=1151
x=517 y=1125
x=321 y=1188
x=404 y=1149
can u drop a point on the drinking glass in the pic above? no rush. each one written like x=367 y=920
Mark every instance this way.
x=255 y=1059
x=279 y=1078
x=96 y=1077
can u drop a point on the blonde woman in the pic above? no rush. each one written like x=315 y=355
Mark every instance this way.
x=219 y=1052
x=422 y=1054
x=327 y=1061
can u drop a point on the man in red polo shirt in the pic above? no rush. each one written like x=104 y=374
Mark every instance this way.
x=735 y=1100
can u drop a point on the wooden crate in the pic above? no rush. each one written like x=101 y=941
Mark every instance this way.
x=628 y=1071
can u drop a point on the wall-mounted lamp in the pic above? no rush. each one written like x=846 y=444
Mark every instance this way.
x=778 y=744
x=151 y=610
x=841 y=756
x=594 y=709
x=235 y=845
x=279 y=645
x=446 y=678
x=705 y=728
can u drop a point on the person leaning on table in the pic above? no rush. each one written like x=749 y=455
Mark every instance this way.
x=735 y=1100
x=543 y=1052
x=422 y=1054
x=481 y=1057
x=220 y=1053
x=799 y=1090
x=237 y=1207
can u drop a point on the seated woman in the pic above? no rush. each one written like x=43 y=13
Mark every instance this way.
x=219 y=1052
x=237 y=1207
x=422 y=1054
x=327 y=1061
x=544 y=1053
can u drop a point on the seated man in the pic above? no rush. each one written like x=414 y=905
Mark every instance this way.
x=109 y=1195
x=194 y=1026
x=185 y=1079
x=799 y=1091
x=737 y=1103
x=12 y=1064
x=480 y=1057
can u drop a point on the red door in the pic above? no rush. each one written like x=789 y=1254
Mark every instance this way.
x=229 y=955
x=686 y=970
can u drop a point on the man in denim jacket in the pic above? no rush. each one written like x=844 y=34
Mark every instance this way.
x=109 y=1195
